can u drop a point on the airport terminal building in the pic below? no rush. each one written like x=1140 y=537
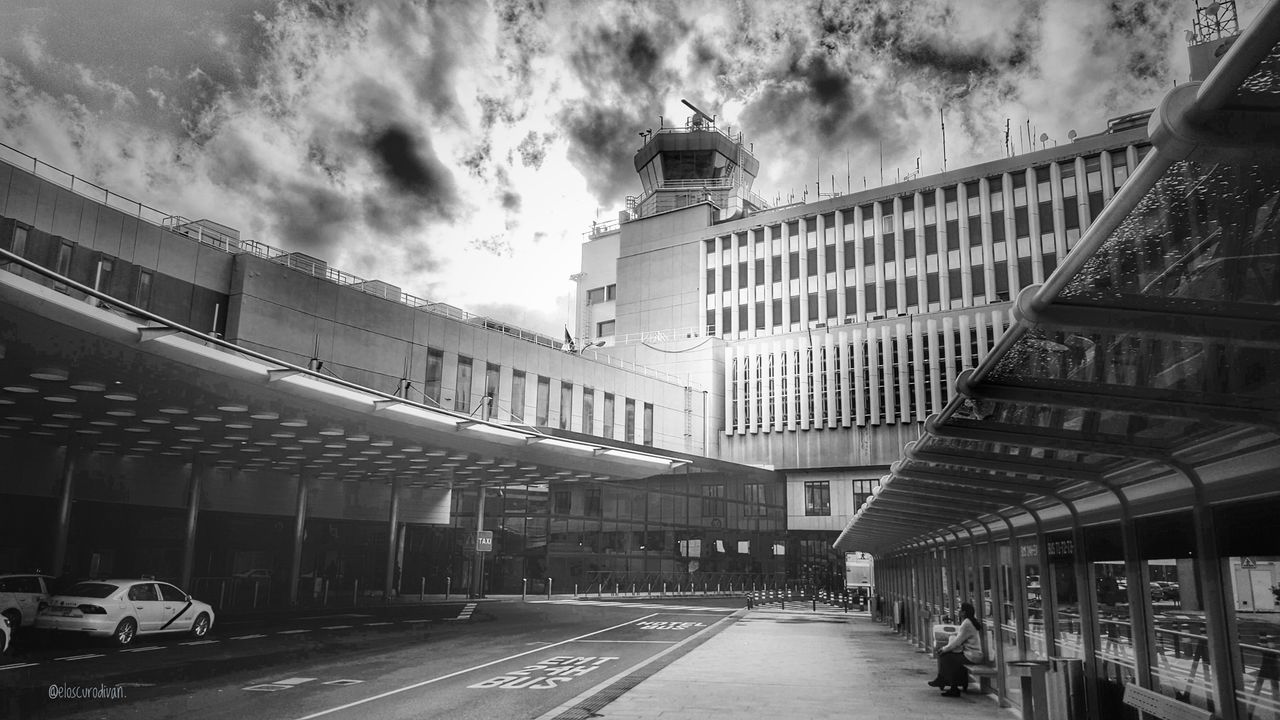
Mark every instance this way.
x=1045 y=383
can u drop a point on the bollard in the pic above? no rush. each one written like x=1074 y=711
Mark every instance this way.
x=422 y=589
x=548 y=588
x=664 y=588
x=447 y=582
x=648 y=589
x=599 y=591
x=524 y=588
x=324 y=602
x=355 y=593
x=222 y=595
x=575 y=589
x=717 y=588
x=617 y=588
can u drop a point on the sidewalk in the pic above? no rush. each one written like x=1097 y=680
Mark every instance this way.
x=794 y=664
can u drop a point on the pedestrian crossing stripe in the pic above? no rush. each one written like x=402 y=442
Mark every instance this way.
x=466 y=611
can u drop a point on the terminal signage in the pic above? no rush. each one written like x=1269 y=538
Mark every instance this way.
x=484 y=541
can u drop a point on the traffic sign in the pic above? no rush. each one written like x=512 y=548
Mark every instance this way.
x=484 y=541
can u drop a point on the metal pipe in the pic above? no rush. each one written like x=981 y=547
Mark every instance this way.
x=299 y=531
x=193 y=512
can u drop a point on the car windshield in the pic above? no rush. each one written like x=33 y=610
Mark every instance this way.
x=90 y=589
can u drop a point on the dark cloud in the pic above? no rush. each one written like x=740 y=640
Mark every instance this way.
x=411 y=166
x=602 y=144
x=533 y=150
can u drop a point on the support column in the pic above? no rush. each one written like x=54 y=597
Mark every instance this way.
x=299 y=530
x=477 y=567
x=389 y=581
x=193 y=512
x=64 y=509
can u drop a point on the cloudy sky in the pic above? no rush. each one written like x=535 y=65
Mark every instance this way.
x=459 y=149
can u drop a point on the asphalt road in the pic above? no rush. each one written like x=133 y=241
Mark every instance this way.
x=506 y=659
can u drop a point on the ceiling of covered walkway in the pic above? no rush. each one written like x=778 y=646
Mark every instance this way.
x=115 y=379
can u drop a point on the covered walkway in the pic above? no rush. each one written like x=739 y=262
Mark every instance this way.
x=1104 y=484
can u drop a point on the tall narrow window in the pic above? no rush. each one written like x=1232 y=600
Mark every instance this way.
x=566 y=405
x=19 y=245
x=435 y=371
x=543 y=408
x=608 y=415
x=491 y=374
x=63 y=265
x=588 y=410
x=142 y=298
x=102 y=275
x=713 y=501
x=629 y=422
x=648 y=423
x=462 y=390
x=517 y=395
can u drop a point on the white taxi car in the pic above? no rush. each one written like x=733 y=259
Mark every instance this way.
x=6 y=632
x=21 y=595
x=124 y=609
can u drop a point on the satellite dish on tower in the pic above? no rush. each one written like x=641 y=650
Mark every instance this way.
x=1044 y=137
x=1071 y=134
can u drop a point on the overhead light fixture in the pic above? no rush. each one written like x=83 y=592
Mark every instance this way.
x=232 y=408
x=294 y=422
x=173 y=410
x=121 y=396
x=207 y=418
x=88 y=386
x=121 y=412
x=357 y=438
x=53 y=374
x=60 y=398
x=22 y=389
x=333 y=431
x=264 y=415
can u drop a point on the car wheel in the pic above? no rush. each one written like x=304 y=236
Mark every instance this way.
x=201 y=626
x=125 y=632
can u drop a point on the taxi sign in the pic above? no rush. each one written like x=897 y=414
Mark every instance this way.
x=484 y=541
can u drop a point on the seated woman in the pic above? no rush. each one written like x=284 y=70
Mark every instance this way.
x=965 y=648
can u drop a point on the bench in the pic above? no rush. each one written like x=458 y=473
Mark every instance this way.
x=1162 y=706
x=985 y=673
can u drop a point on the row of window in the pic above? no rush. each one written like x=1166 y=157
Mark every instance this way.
x=516 y=393
x=817 y=495
x=139 y=293
x=749 y=275
x=607 y=293
x=714 y=502
x=889 y=375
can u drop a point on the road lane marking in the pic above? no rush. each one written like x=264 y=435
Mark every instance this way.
x=335 y=627
x=149 y=648
x=576 y=701
x=247 y=637
x=640 y=606
x=466 y=612
x=294 y=681
x=343 y=682
x=291 y=632
x=636 y=642
x=470 y=669
x=332 y=617
x=199 y=642
x=15 y=666
x=79 y=657
x=267 y=687
x=377 y=623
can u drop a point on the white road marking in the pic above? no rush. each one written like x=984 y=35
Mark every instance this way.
x=343 y=682
x=199 y=642
x=247 y=637
x=340 y=615
x=642 y=606
x=79 y=657
x=149 y=648
x=377 y=623
x=293 y=681
x=267 y=687
x=417 y=621
x=470 y=669
x=335 y=627
x=636 y=642
x=15 y=666
x=291 y=632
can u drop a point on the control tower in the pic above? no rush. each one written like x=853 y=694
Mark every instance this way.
x=681 y=166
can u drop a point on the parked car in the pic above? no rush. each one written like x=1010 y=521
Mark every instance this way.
x=6 y=632
x=21 y=595
x=124 y=609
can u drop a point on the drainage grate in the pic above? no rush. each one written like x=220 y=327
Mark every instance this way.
x=590 y=707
